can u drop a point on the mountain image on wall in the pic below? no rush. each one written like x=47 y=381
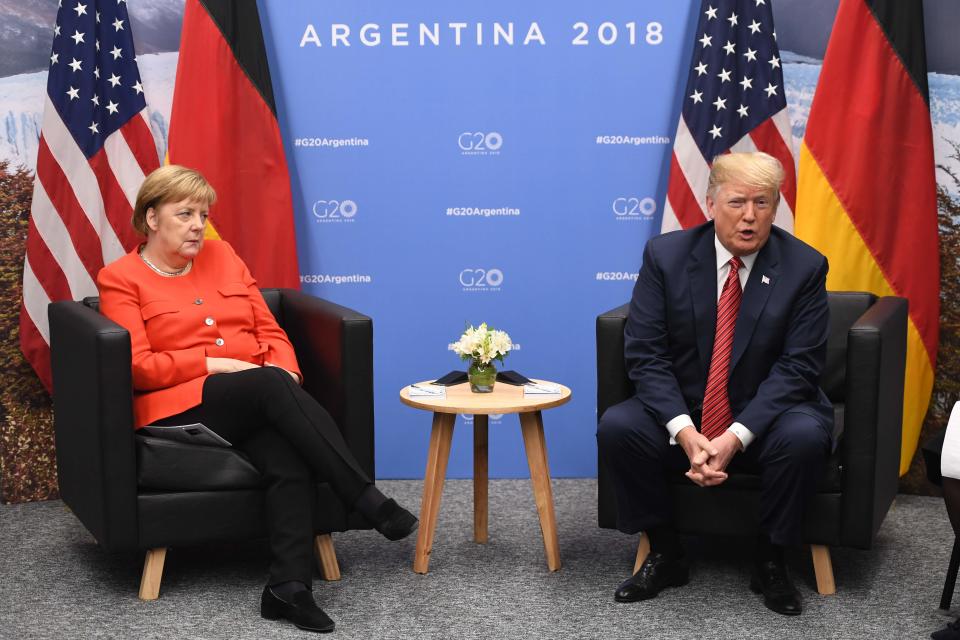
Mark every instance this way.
x=22 y=99
x=25 y=36
x=25 y=40
x=800 y=74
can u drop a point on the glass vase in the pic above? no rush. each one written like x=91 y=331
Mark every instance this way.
x=482 y=377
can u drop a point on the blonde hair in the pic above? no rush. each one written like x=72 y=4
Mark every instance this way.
x=756 y=169
x=170 y=183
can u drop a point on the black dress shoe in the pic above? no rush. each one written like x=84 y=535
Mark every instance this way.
x=302 y=611
x=394 y=522
x=657 y=572
x=950 y=632
x=771 y=579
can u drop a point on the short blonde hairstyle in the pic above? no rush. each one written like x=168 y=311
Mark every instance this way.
x=756 y=169
x=170 y=183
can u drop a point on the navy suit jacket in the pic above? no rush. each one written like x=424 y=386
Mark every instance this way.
x=779 y=344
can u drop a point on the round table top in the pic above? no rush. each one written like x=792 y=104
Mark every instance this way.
x=505 y=398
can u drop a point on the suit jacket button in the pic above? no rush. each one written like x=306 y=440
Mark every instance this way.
x=219 y=342
x=208 y=322
x=198 y=301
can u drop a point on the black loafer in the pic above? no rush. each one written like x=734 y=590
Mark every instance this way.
x=656 y=573
x=303 y=611
x=394 y=522
x=950 y=632
x=772 y=580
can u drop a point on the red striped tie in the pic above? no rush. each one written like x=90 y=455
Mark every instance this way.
x=717 y=415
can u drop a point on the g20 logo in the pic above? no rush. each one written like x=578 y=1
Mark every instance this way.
x=493 y=417
x=634 y=207
x=481 y=278
x=334 y=209
x=479 y=142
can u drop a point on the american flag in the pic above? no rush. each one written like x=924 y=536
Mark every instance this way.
x=95 y=149
x=734 y=101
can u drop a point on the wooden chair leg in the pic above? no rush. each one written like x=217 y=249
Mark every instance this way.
x=152 y=573
x=643 y=550
x=327 y=557
x=823 y=568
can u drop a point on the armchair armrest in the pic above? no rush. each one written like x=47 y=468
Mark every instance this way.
x=613 y=383
x=93 y=422
x=873 y=418
x=334 y=347
x=613 y=386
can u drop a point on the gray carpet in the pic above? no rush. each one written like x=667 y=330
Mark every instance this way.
x=56 y=582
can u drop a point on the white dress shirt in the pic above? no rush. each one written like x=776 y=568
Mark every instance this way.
x=723 y=269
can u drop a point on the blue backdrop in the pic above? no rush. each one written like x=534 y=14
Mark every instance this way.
x=506 y=180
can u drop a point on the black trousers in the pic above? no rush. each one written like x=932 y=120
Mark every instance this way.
x=293 y=442
x=636 y=450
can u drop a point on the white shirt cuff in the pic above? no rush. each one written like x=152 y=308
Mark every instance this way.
x=676 y=425
x=745 y=435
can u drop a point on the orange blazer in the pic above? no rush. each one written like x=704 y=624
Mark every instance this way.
x=215 y=310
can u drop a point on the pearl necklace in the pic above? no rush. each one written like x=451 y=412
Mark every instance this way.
x=166 y=274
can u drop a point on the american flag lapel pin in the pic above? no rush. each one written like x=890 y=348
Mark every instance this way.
x=765 y=280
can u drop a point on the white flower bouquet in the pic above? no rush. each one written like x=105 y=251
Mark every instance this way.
x=483 y=344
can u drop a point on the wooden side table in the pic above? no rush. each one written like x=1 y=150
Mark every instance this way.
x=504 y=399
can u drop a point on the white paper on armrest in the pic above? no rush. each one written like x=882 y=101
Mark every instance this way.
x=950 y=456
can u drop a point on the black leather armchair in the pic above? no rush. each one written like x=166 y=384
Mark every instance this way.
x=863 y=378
x=136 y=492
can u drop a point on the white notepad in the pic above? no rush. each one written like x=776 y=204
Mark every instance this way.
x=541 y=388
x=426 y=391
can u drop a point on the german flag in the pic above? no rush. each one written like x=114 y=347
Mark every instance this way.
x=224 y=123
x=866 y=196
